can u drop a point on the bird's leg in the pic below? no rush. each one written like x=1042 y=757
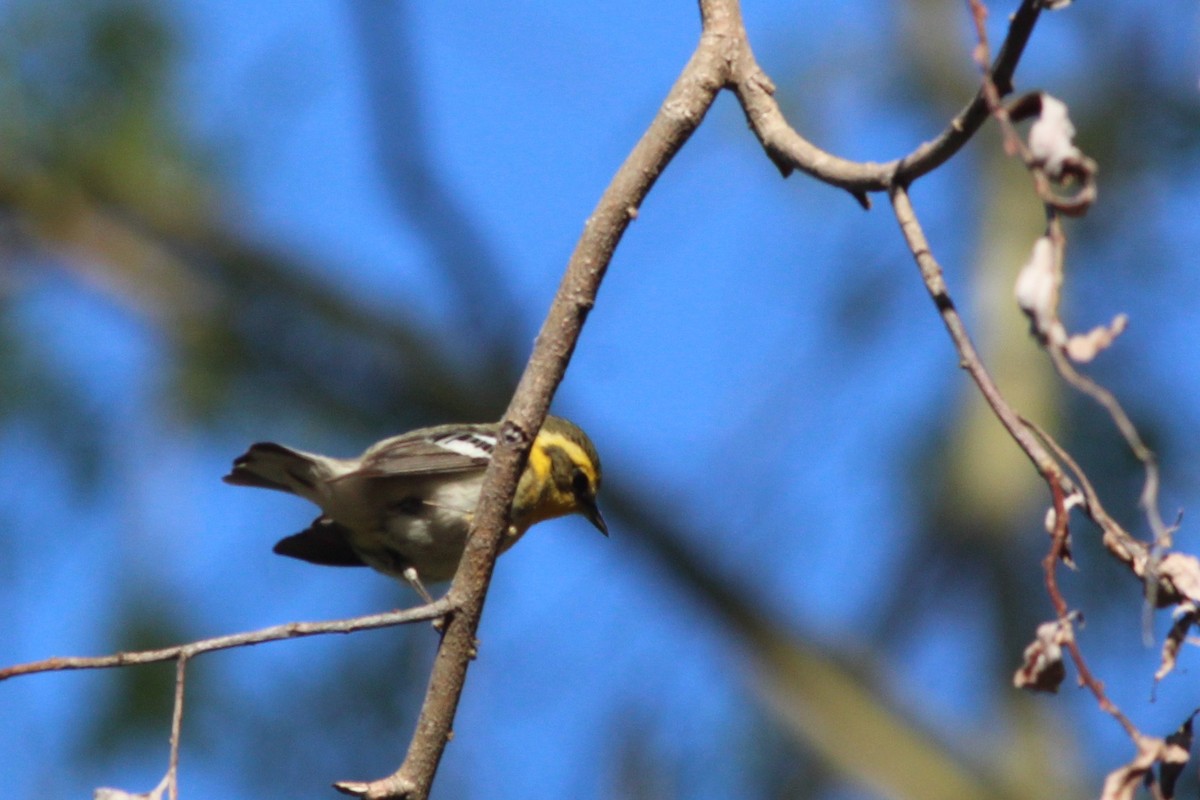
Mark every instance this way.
x=414 y=580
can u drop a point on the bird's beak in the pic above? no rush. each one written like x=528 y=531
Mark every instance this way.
x=592 y=512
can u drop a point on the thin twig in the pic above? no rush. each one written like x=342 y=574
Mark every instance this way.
x=935 y=284
x=988 y=91
x=1092 y=505
x=1058 y=543
x=1108 y=401
x=1135 y=554
x=1161 y=534
x=290 y=630
x=1059 y=537
x=176 y=728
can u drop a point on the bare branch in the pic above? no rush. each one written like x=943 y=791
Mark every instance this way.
x=680 y=114
x=172 y=777
x=789 y=150
x=1058 y=540
x=1108 y=401
x=1032 y=440
x=935 y=284
x=290 y=630
x=1133 y=553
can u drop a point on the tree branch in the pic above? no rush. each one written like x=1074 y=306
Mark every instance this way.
x=1033 y=441
x=290 y=630
x=1172 y=581
x=935 y=284
x=678 y=117
x=789 y=150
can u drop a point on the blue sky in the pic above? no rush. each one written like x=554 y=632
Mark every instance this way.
x=762 y=359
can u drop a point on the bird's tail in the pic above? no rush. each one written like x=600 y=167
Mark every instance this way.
x=267 y=465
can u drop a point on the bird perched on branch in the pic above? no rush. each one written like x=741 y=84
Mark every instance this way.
x=404 y=506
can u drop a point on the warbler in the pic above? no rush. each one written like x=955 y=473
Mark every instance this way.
x=404 y=506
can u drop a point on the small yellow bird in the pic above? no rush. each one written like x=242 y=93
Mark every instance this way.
x=404 y=506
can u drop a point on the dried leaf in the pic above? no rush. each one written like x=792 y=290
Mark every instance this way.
x=109 y=793
x=1037 y=289
x=1180 y=574
x=1122 y=783
x=1083 y=347
x=1185 y=618
x=1175 y=757
x=1051 y=138
x=1042 y=669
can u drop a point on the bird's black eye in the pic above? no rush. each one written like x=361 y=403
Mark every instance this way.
x=580 y=483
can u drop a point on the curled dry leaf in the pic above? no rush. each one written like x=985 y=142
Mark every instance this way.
x=1037 y=290
x=1185 y=618
x=1123 y=782
x=1178 y=579
x=1083 y=347
x=1053 y=157
x=1051 y=139
x=1042 y=669
x=1171 y=755
x=1175 y=757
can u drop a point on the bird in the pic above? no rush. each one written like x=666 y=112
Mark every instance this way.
x=405 y=506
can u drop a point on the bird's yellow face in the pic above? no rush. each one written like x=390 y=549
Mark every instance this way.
x=562 y=477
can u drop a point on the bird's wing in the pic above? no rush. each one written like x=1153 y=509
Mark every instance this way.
x=438 y=451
